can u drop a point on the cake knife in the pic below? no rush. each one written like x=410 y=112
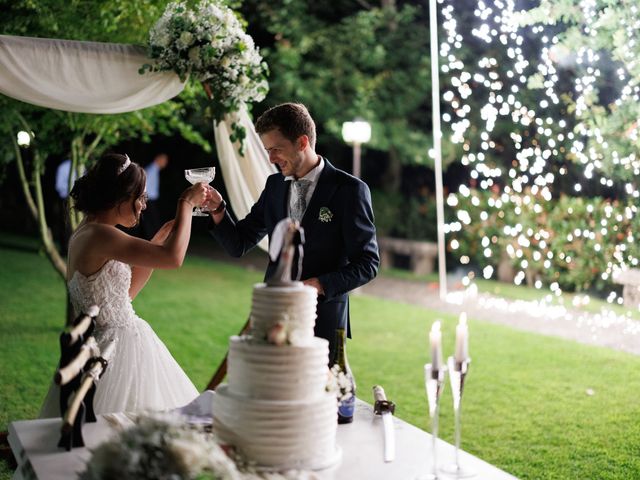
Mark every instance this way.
x=385 y=409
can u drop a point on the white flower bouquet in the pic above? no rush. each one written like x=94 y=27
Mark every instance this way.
x=160 y=446
x=209 y=43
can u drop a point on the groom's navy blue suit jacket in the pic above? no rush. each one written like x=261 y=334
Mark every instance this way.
x=340 y=251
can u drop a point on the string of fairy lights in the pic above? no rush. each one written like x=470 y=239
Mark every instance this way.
x=512 y=86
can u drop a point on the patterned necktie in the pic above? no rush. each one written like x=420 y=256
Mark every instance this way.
x=299 y=193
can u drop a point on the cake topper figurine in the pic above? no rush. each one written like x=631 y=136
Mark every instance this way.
x=286 y=246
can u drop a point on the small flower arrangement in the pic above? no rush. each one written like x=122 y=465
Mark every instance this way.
x=209 y=43
x=282 y=331
x=160 y=446
x=339 y=384
x=277 y=334
x=325 y=215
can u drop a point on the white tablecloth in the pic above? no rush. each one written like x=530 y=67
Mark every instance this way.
x=34 y=444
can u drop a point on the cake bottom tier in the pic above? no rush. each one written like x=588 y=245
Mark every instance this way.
x=278 y=434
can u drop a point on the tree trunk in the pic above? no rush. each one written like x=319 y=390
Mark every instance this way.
x=72 y=215
x=45 y=232
x=393 y=176
x=79 y=160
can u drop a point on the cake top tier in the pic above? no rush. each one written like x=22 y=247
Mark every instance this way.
x=283 y=315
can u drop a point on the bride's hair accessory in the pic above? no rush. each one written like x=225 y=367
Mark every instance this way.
x=125 y=165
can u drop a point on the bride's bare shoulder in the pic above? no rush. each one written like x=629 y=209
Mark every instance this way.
x=94 y=231
x=89 y=248
x=96 y=240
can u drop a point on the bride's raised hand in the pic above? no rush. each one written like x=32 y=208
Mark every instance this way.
x=162 y=234
x=196 y=195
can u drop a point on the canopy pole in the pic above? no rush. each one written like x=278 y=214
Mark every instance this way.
x=435 y=100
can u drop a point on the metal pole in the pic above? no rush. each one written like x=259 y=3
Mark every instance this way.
x=435 y=100
x=356 y=159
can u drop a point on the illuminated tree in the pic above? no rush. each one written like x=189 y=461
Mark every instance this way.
x=546 y=109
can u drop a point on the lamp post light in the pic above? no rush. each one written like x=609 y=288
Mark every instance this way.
x=356 y=133
x=23 y=138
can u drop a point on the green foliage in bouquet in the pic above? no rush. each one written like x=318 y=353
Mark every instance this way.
x=208 y=43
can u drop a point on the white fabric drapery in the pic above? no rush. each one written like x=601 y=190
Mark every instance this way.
x=244 y=176
x=101 y=78
x=89 y=77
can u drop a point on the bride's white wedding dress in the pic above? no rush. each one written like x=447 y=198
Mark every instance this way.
x=142 y=374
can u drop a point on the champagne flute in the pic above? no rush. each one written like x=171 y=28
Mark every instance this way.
x=195 y=175
x=434 y=384
x=457 y=372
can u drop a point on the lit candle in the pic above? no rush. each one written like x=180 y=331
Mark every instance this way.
x=462 y=339
x=435 y=338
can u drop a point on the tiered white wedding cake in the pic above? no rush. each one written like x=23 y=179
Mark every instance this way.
x=275 y=408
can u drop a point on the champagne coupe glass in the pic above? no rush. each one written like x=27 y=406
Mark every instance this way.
x=195 y=175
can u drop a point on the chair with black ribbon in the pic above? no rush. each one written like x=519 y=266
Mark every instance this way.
x=81 y=366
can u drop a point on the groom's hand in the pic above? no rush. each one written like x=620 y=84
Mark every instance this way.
x=216 y=205
x=315 y=283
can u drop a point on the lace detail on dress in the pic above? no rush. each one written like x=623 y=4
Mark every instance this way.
x=109 y=289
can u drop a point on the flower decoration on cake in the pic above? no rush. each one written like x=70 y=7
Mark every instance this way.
x=277 y=334
x=325 y=215
x=339 y=384
x=284 y=332
x=160 y=446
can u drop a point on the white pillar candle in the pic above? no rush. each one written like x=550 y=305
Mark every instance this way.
x=435 y=338
x=462 y=339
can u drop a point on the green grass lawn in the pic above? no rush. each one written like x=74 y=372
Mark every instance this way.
x=526 y=408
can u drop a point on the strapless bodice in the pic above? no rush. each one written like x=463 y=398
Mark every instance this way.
x=108 y=288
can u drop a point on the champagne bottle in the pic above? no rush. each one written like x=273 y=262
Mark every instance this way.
x=346 y=407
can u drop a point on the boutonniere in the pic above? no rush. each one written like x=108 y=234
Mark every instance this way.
x=325 y=215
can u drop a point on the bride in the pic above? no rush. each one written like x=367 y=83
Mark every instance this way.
x=108 y=268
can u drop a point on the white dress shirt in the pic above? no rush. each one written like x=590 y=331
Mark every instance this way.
x=313 y=176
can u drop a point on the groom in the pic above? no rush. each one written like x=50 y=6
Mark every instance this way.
x=333 y=207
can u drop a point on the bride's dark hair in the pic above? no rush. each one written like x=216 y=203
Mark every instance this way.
x=109 y=182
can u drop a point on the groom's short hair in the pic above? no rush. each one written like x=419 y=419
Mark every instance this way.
x=292 y=119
